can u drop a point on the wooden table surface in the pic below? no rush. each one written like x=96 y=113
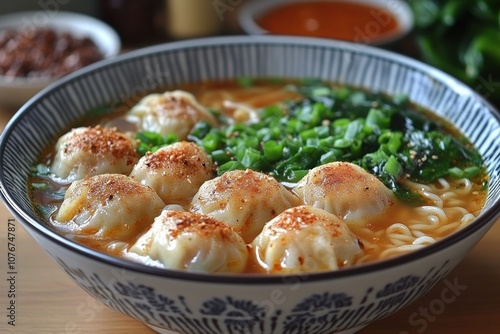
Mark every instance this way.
x=47 y=301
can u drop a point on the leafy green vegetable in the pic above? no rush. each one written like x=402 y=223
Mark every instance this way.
x=386 y=136
x=462 y=37
x=151 y=141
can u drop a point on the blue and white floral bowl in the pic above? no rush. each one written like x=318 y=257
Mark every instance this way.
x=179 y=302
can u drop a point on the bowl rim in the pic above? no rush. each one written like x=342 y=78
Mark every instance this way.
x=65 y=21
x=487 y=217
x=403 y=14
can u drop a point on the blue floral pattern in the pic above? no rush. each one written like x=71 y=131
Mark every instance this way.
x=319 y=313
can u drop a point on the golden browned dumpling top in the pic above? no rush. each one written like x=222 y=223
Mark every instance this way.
x=174 y=112
x=190 y=241
x=88 y=151
x=346 y=190
x=243 y=199
x=175 y=171
x=108 y=206
x=305 y=239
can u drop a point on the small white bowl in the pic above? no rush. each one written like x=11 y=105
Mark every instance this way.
x=16 y=91
x=400 y=10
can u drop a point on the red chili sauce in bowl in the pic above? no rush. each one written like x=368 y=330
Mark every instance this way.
x=358 y=22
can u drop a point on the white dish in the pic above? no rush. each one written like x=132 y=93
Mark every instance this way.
x=16 y=91
x=399 y=10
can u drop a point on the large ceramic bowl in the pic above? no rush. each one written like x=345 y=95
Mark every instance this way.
x=182 y=302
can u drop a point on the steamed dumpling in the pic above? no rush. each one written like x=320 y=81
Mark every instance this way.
x=88 y=151
x=190 y=241
x=175 y=171
x=108 y=206
x=305 y=239
x=174 y=112
x=346 y=190
x=245 y=200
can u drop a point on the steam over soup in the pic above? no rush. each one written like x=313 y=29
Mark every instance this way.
x=263 y=176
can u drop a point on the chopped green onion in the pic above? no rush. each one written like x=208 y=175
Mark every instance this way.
x=273 y=151
x=230 y=166
x=220 y=157
x=342 y=143
x=330 y=156
x=385 y=137
x=251 y=159
x=393 y=167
